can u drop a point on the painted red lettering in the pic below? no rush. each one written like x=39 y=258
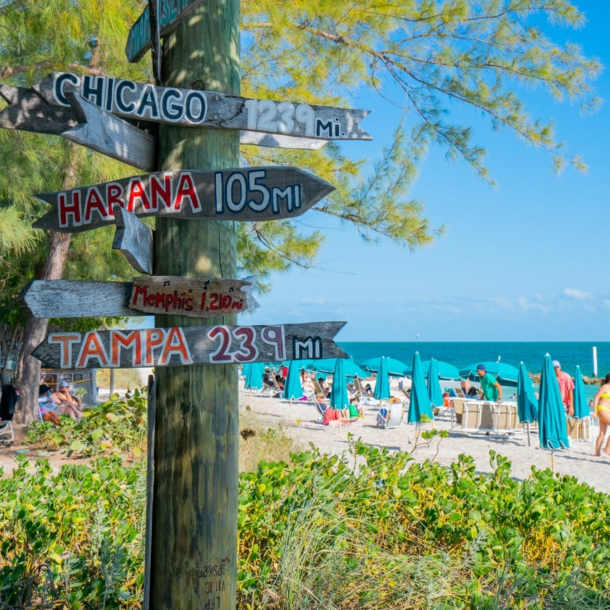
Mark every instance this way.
x=92 y=347
x=95 y=203
x=186 y=188
x=161 y=192
x=70 y=209
x=65 y=341
x=221 y=354
x=175 y=344
x=137 y=191
x=140 y=291
x=131 y=341
x=154 y=338
x=274 y=335
x=114 y=192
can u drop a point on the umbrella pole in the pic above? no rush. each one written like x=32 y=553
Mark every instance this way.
x=553 y=461
x=529 y=442
x=290 y=409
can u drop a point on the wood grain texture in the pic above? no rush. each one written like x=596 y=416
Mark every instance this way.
x=192 y=106
x=169 y=12
x=192 y=297
x=110 y=135
x=169 y=347
x=269 y=140
x=77 y=299
x=197 y=442
x=30 y=112
x=244 y=194
x=134 y=239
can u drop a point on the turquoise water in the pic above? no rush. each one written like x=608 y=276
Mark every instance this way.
x=466 y=353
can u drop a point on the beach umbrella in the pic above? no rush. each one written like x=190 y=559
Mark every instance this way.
x=551 y=413
x=382 y=386
x=505 y=374
x=434 y=387
x=327 y=365
x=338 y=395
x=254 y=376
x=292 y=385
x=581 y=408
x=445 y=370
x=395 y=367
x=420 y=401
x=527 y=403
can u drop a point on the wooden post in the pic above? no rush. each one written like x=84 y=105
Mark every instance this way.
x=150 y=469
x=194 y=542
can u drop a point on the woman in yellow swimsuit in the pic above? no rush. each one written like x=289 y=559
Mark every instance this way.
x=601 y=410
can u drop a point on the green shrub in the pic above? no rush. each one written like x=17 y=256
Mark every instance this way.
x=117 y=425
x=314 y=534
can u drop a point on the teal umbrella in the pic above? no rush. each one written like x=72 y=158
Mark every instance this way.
x=254 y=376
x=395 y=367
x=505 y=374
x=327 y=365
x=527 y=403
x=338 y=395
x=382 y=385
x=434 y=387
x=551 y=413
x=420 y=401
x=445 y=370
x=581 y=407
x=292 y=385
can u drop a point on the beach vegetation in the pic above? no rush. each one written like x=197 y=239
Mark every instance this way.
x=372 y=530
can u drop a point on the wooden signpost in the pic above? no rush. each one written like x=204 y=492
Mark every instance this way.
x=134 y=239
x=248 y=194
x=190 y=345
x=192 y=297
x=169 y=13
x=194 y=108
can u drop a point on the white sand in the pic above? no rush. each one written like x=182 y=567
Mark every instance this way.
x=579 y=461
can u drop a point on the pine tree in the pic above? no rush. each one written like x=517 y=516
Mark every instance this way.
x=477 y=53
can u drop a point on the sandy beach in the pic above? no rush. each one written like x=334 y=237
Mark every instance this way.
x=578 y=461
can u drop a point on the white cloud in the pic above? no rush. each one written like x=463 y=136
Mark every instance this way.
x=580 y=295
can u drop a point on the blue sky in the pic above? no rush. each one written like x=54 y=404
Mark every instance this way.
x=523 y=262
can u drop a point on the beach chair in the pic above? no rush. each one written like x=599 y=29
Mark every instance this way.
x=458 y=410
x=6 y=430
x=505 y=417
x=396 y=410
x=579 y=429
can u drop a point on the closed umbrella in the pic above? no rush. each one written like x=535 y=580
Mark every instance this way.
x=551 y=413
x=527 y=403
x=382 y=385
x=395 y=367
x=505 y=374
x=292 y=385
x=327 y=365
x=581 y=407
x=434 y=386
x=338 y=395
x=254 y=376
x=420 y=401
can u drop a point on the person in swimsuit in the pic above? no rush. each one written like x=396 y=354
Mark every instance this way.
x=601 y=410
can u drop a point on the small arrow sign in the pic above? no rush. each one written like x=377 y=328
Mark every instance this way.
x=189 y=346
x=170 y=13
x=192 y=297
x=134 y=239
x=110 y=135
x=248 y=194
x=193 y=108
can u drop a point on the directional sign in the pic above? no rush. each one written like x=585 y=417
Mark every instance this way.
x=28 y=111
x=134 y=239
x=170 y=12
x=110 y=135
x=190 y=345
x=248 y=194
x=193 y=108
x=172 y=295
x=196 y=298
x=83 y=123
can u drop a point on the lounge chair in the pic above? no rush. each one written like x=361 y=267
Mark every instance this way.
x=6 y=430
x=579 y=429
x=396 y=412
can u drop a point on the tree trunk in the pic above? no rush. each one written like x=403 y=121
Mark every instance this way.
x=194 y=553
x=26 y=409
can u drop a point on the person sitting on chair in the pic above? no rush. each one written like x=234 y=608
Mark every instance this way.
x=68 y=404
x=355 y=410
x=334 y=417
x=324 y=386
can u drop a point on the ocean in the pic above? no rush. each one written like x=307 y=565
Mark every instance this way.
x=466 y=353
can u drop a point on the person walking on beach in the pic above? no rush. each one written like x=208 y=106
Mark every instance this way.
x=492 y=390
x=601 y=410
x=566 y=388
